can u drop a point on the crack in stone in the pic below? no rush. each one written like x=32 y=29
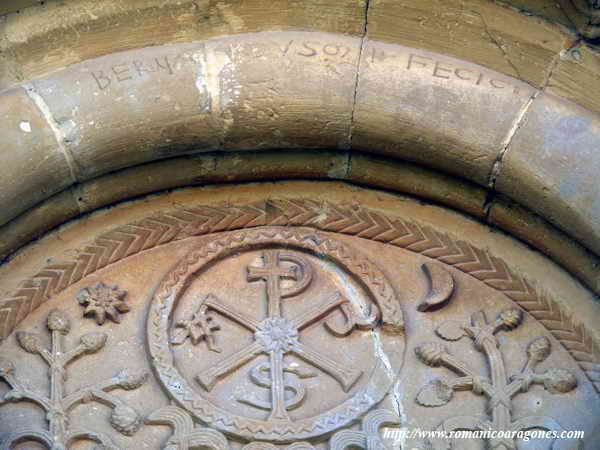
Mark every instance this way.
x=497 y=166
x=517 y=125
x=56 y=128
x=395 y=394
x=358 y=64
x=497 y=44
x=383 y=357
x=349 y=165
x=342 y=170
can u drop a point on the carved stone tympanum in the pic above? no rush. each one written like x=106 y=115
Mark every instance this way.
x=291 y=325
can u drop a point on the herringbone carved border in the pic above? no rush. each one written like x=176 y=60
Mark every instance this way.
x=351 y=220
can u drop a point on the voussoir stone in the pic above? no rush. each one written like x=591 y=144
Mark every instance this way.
x=284 y=90
x=43 y=39
x=412 y=103
x=33 y=165
x=154 y=101
x=552 y=167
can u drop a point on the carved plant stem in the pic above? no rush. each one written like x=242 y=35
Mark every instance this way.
x=501 y=417
x=85 y=395
x=483 y=334
x=57 y=415
x=57 y=404
x=499 y=389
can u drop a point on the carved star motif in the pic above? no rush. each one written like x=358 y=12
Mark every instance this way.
x=201 y=326
x=102 y=301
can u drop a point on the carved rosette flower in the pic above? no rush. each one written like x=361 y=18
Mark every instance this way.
x=102 y=301
x=277 y=334
x=125 y=420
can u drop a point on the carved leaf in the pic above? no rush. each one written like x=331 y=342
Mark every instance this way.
x=205 y=438
x=559 y=381
x=539 y=349
x=450 y=330
x=347 y=439
x=131 y=380
x=92 y=342
x=435 y=393
x=31 y=342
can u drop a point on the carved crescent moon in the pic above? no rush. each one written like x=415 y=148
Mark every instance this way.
x=440 y=286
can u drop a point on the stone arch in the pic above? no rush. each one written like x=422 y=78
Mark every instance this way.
x=495 y=116
x=489 y=117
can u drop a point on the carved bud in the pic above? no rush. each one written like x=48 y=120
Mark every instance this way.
x=7 y=368
x=431 y=353
x=559 y=380
x=539 y=349
x=125 y=420
x=31 y=342
x=59 y=321
x=92 y=342
x=511 y=318
x=131 y=380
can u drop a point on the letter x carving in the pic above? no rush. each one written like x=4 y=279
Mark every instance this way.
x=276 y=335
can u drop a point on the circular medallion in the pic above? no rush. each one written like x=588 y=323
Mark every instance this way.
x=276 y=334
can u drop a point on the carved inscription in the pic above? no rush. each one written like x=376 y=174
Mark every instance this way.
x=130 y=70
x=309 y=49
x=400 y=59
x=442 y=69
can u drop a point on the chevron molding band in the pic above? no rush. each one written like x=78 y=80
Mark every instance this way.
x=163 y=228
